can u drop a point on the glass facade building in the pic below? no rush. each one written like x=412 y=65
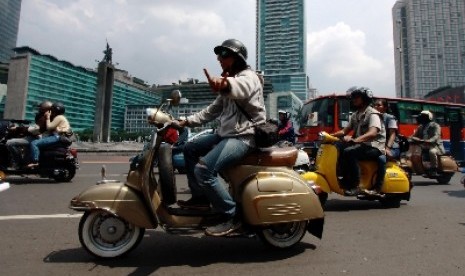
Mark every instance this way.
x=10 y=11
x=34 y=77
x=281 y=45
x=429 y=40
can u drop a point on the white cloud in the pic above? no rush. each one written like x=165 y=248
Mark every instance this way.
x=337 y=59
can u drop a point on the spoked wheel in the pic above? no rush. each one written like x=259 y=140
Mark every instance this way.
x=283 y=235
x=107 y=236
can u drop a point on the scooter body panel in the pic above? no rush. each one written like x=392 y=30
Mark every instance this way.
x=326 y=161
x=278 y=197
x=117 y=198
x=395 y=180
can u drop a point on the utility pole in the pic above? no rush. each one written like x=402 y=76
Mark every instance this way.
x=401 y=65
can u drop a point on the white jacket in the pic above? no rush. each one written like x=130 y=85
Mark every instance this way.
x=245 y=89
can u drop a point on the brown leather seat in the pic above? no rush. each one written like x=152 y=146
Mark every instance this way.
x=272 y=157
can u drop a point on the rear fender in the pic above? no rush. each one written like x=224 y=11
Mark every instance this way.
x=118 y=199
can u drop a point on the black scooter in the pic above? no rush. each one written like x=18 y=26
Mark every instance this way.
x=58 y=162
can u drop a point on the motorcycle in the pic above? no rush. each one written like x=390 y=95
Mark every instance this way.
x=58 y=162
x=275 y=203
x=416 y=162
x=396 y=185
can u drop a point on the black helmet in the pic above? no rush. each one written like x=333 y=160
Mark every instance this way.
x=44 y=106
x=58 y=109
x=233 y=45
x=365 y=92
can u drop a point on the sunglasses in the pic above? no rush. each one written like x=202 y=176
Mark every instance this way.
x=225 y=54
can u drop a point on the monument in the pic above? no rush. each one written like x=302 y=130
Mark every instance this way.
x=104 y=98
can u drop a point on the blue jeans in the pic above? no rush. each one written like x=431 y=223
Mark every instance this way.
x=42 y=142
x=205 y=157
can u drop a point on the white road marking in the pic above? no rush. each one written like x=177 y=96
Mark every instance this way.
x=24 y=217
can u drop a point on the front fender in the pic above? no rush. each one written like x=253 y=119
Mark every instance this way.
x=118 y=199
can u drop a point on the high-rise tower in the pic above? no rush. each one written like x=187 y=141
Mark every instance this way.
x=429 y=45
x=281 y=45
x=9 y=20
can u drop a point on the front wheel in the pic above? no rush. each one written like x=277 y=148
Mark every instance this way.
x=105 y=235
x=283 y=235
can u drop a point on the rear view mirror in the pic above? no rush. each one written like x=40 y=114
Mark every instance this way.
x=175 y=97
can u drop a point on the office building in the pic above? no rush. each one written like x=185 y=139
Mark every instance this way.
x=10 y=11
x=281 y=45
x=34 y=77
x=429 y=46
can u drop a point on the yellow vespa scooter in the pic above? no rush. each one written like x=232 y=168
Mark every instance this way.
x=396 y=185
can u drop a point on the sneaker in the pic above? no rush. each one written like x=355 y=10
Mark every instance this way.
x=195 y=203
x=372 y=192
x=352 y=192
x=223 y=229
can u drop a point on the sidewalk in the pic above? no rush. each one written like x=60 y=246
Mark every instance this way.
x=120 y=148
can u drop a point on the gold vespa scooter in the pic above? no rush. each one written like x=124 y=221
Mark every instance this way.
x=276 y=203
x=416 y=162
x=396 y=185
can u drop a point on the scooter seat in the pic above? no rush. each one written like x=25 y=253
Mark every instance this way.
x=272 y=157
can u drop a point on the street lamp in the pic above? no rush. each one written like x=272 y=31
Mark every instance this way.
x=399 y=24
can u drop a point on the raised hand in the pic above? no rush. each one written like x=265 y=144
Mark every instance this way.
x=217 y=83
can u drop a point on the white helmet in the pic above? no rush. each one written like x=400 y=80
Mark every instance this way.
x=428 y=114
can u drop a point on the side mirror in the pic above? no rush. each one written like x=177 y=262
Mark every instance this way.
x=175 y=97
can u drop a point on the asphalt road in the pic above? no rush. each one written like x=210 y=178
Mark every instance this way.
x=425 y=236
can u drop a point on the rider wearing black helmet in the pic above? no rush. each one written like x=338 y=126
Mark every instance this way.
x=368 y=140
x=239 y=91
x=56 y=124
x=32 y=133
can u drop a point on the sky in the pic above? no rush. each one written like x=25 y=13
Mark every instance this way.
x=349 y=42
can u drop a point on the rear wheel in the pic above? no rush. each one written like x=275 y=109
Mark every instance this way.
x=283 y=235
x=390 y=202
x=65 y=174
x=323 y=197
x=444 y=178
x=105 y=235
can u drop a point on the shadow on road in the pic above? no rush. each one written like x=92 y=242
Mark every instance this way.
x=27 y=180
x=159 y=249
x=460 y=193
x=345 y=205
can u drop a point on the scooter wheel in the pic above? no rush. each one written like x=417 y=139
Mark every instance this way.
x=105 y=235
x=283 y=235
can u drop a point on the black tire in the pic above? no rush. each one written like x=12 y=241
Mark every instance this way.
x=283 y=235
x=105 y=235
x=323 y=197
x=444 y=178
x=68 y=173
x=390 y=202
x=166 y=172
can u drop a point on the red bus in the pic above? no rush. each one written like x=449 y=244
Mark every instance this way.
x=331 y=113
